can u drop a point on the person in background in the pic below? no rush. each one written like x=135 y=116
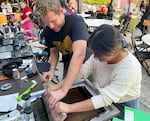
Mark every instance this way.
x=32 y=4
x=116 y=74
x=6 y=7
x=103 y=9
x=146 y=17
x=125 y=13
x=110 y=11
x=103 y=12
x=37 y=30
x=25 y=20
x=67 y=34
x=142 y=11
x=63 y=4
x=38 y=41
x=142 y=8
x=125 y=23
x=16 y=10
x=72 y=4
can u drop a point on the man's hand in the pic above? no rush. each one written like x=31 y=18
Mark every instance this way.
x=48 y=76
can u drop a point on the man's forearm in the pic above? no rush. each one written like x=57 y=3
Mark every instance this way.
x=73 y=71
x=79 y=50
x=54 y=55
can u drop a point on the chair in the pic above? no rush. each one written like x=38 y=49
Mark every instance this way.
x=136 y=36
x=43 y=57
x=140 y=50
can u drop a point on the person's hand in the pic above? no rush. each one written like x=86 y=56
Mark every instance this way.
x=54 y=96
x=48 y=76
x=61 y=107
x=30 y=44
x=29 y=38
x=17 y=22
x=53 y=88
x=22 y=22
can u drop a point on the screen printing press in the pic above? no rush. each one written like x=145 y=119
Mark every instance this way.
x=39 y=111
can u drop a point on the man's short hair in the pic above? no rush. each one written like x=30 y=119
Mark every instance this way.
x=43 y=6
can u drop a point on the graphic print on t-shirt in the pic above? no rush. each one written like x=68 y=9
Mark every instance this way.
x=65 y=47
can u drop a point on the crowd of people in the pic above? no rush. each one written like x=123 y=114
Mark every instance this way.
x=115 y=72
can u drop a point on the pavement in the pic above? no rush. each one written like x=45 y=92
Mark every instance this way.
x=145 y=95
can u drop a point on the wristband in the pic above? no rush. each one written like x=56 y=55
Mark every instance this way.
x=52 y=68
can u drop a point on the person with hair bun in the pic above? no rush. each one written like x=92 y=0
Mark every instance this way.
x=116 y=74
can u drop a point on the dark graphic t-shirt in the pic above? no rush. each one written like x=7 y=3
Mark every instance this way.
x=74 y=29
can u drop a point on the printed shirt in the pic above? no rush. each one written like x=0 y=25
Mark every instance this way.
x=74 y=29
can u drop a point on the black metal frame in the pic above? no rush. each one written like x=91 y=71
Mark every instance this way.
x=141 y=50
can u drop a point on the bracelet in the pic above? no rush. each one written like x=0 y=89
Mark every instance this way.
x=52 y=68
